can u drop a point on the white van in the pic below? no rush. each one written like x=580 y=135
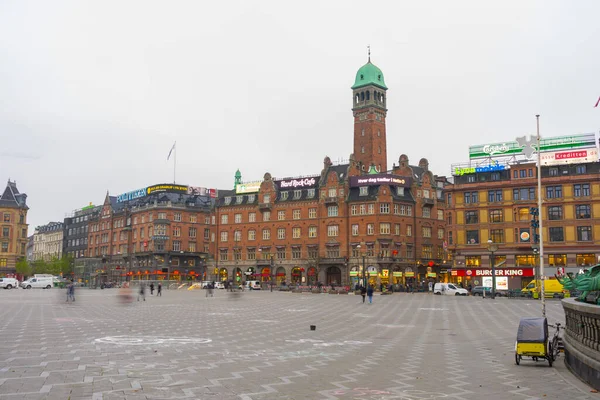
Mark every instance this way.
x=44 y=282
x=9 y=283
x=450 y=289
x=253 y=285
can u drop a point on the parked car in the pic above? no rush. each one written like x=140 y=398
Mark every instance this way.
x=478 y=291
x=219 y=285
x=44 y=282
x=9 y=283
x=253 y=285
x=449 y=289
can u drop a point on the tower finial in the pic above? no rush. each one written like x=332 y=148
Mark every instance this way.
x=369 y=51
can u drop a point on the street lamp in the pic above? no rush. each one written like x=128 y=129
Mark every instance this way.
x=271 y=271
x=362 y=252
x=493 y=248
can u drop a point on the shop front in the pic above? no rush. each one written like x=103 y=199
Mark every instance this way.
x=506 y=278
x=280 y=276
x=312 y=276
x=296 y=277
x=223 y=275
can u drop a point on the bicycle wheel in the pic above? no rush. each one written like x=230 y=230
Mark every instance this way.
x=517 y=359
x=550 y=355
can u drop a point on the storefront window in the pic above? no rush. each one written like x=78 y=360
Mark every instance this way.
x=296 y=275
x=473 y=261
x=557 y=260
x=586 y=259
x=525 y=261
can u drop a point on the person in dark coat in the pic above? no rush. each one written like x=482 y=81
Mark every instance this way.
x=370 y=291
x=159 y=290
x=152 y=289
x=142 y=292
x=363 y=292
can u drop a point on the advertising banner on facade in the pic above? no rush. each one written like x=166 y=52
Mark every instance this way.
x=501 y=282
x=200 y=191
x=299 y=183
x=570 y=142
x=477 y=272
x=167 y=188
x=380 y=179
x=570 y=157
x=491 y=167
x=135 y=194
x=248 y=187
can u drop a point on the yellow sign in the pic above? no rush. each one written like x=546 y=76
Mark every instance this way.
x=397 y=274
x=431 y=274
x=385 y=273
x=409 y=274
x=353 y=273
x=167 y=188
x=250 y=187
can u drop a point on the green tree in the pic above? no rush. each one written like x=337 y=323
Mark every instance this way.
x=23 y=268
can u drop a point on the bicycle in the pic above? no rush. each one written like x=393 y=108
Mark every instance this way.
x=555 y=345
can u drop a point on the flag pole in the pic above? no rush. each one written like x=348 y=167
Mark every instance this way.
x=174 y=161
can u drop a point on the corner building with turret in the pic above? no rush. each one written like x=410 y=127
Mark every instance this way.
x=353 y=221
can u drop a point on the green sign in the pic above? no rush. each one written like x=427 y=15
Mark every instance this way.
x=549 y=144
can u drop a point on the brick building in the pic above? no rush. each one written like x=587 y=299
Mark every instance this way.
x=491 y=200
x=328 y=227
x=13 y=243
x=159 y=232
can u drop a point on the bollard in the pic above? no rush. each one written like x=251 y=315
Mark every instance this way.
x=313 y=327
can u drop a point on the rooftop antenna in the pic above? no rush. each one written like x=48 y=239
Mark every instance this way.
x=369 y=51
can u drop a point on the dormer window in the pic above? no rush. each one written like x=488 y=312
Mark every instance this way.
x=227 y=200
x=251 y=198
x=266 y=198
x=311 y=193
x=297 y=194
x=400 y=191
x=239 y=199
x=364 y=190
x=284 y=195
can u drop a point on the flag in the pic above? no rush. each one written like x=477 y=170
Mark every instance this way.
x=172 y=148
x=598 y=102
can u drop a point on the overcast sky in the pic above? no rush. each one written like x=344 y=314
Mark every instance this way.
x=93 y=94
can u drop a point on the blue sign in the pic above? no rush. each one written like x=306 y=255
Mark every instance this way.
x=136 y=194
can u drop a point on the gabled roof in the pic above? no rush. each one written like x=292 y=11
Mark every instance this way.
x=12 y=198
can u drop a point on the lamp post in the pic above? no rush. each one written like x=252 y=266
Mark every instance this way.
x=541 y=234
x=364 y=268
x=493 y=248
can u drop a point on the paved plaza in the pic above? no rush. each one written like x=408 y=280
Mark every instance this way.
x=258 y=345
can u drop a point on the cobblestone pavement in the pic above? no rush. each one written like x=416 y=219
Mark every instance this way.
x=258 y=345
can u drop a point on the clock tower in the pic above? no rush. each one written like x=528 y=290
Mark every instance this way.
x=369 y=110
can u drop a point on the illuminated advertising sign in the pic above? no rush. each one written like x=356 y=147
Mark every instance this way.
x=476 y=272
x=380 y=179
x=200 y=191
x=570 y=142
x=458 y=171
x=570 y=157
x=249 y=187
x=299 y=183
x=136 y=194
x=168 y=188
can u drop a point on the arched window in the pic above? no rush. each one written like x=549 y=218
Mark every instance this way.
x=362 y=150
x=379 y=150
x=362 y=96
x=363 y=132
x=368 y=95
x=378 y=133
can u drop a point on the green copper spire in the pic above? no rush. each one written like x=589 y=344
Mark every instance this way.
x=238 y=178
x=369 y=74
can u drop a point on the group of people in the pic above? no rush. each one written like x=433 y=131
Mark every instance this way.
x=142 y=292
x=368 y=292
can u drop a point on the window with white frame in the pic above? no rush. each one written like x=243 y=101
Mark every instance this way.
x=384 y=228
x=312 y=213
x=251 y=198
x=280 y=233
x=237 y=236
x=364 y=191
x=425 y=193
x=296 y=253
x=267 y=198
x=251 y=234
x=284 y=195
x=332 y=192
x=354 y=210
x=397 y=229
x=384 y=208
x=296 y=232
x=408 y=230
x=370 y=229
x=311 y=193
x=355 y=230
x=297 y=194
x=224 y=236
x=371 y=209
x=239 y=199
x=266 y=216
x=237 y=218
x=426 y=231
x=252 y=217
x=332 y=211
x=440 y=233
x=280 y=215
x=177 y=217
x=266 y=234
x=363 y=209
x=227 y=200
x=440 y=214
x=400 y=191
x=312 y=231
x=224 y=219
x=426 y=212
x=332 y=230
x=296 y=214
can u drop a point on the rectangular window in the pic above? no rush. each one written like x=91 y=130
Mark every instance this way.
x=224 y=219
x=473 y=261
x=371 y=209
x=426 y=231
x=427 y=251
x=332 y=230
x=332 y=192
x=239 y=199
x=355 y=230
x=409 y=251
x=440 y=215
x=584 y=233
x=223 y=254
x=284 y=196
x=557 y=260
x=384 y=228
x=440 y=233
x=332 y=211
x=176 y=245
x=237 y=218
x=312 y=213
x=162 y=215
x=363 y=191
x=397 y=229
x=581 y=169
x=524 y=194
x=333 y=252
x=384 y=208
x=176 y=231
x=497 y=235
x=553 y=171
x=266 y=234
x=281 y=253
x=206 y=233
x=370 y=229
x=296 y=214
x=280 y=233
x=192 y=247
x=296 y=253
x=251 y=198
x=297 y=194
x=472 y=217
x=313 y=252
x=471 y=197
x=496 y=216
x=473 y=237
x=266 y=199
x=237 y=236
x=583 y=211
x=296 y=232
x=6 y=217
x=555 y=213
x=408 y=230
x=425 y=193
x=177 y=217
x=252 y=217
x=556 y=234
x=581 y=190
x=266 y=216
x=354 y=210
x=5 y=231
x=224 y=236
x=311 y=193
x=251 y=254
x=312 y=231
x=280 y=215
x=426 y=212
x=363 y=209
x=450 y=238
x=193 y=218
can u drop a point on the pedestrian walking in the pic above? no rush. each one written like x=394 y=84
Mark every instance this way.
x=71 y=291
x=370 y=294
x=152 y=289
x=142 y=292
x=159 y=290
x=363 y=292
